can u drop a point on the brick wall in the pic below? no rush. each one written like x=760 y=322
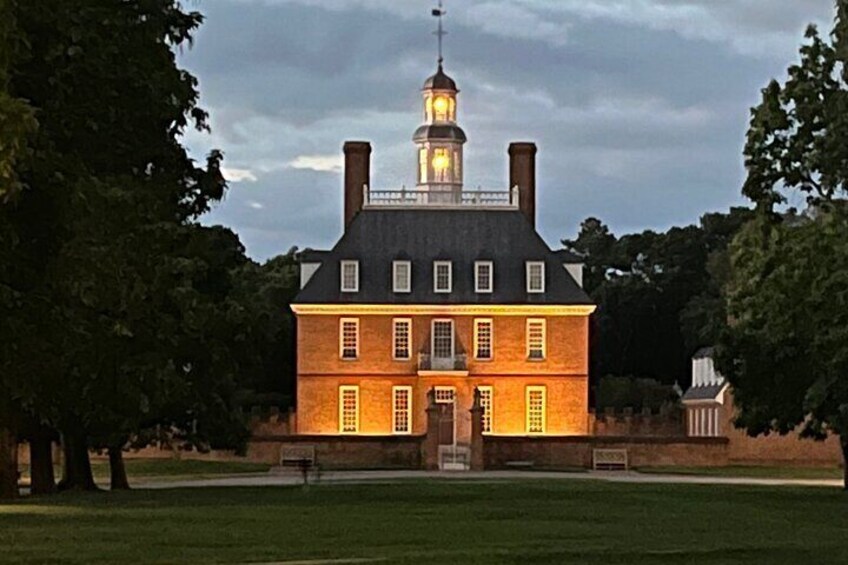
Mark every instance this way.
x=669 y=423
x=561 y=452
x=375 y=452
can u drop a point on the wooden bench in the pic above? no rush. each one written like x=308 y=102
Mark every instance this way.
x=300 y=457
x=609 y=459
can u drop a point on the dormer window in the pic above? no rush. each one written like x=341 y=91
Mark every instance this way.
x=535 y=276
x=350 y=276
x=442 y=276
x=483 y=275
x=402 y=276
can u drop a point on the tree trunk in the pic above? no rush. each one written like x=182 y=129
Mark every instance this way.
x=117 y=469
x=8 y=464
x=843 y=438
x=77 y=475
x=41 y=464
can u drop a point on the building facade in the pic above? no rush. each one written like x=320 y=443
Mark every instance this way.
x=436 y=294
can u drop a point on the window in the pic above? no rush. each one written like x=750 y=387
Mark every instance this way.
x=442 y=276
x=441 y=165
x=535 y=276
x=442 y=346
x=445 y=394
x=486 y=395
x=349 y=338
x=350 y=276
x=348 y=409
x=402 y=338
x=535 y=339
x=401 y=276
x=423 y=164
x=402 y=409
x=535 y=407
x=483 y=339
x=483 y=276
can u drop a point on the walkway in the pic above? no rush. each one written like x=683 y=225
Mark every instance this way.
x=362 y=477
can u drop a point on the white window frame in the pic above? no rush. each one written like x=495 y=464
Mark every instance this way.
x=527 y=392
x=445 y=395
x=395 y=410
x=349 y=263
x=342 y=322
x=544 y=326
x=477 y=322
x=491 y=266
x=408 y=323
x=395 y=286
x=433 y=338
x=342 y=390
x=436 y=265
x=528 y=267
x=488 y=407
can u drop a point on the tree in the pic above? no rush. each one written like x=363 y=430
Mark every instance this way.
x=785 y=351
x=101 y=259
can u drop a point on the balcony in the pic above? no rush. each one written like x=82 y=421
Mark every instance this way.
x=430 y=365
x=448 y=198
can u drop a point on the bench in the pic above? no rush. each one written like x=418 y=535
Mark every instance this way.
x=609 y=459
x=300 y=457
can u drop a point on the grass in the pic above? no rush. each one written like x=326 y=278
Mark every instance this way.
x=509 y=522
x=169 y=469
x=752 y=472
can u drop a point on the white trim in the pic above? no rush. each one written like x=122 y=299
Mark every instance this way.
x=544 y=326
x=395 y=287
x=489 y=321
x=528 y=267
x=342 y=390
x=544 y=416
x=342 y=322
x=408 y=323
x=433 y=337
x=451 y=389
x=491 y=287
x=436 y=265
x=488 y=411
x=408 y=391
x=349 y=263
x=445 y=309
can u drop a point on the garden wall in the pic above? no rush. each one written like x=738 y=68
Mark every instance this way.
x=576 y=451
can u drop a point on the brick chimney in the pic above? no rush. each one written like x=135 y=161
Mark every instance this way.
x=522 y=173
x=357 y=174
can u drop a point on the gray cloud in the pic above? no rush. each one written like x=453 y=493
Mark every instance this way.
x=639 y=107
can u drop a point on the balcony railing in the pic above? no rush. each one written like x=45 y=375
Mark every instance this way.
x=417 y=198
x=427 y=362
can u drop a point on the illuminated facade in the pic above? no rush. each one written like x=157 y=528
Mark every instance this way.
x=435 y=294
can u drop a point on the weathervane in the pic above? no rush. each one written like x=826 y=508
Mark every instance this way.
x=440 y=32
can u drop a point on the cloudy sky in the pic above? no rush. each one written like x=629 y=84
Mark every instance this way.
x=639 y=107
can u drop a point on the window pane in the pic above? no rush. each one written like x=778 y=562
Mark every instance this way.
x=483 y=277
x=443 y=277
x=535 y=410
x=443 y=339
x=486 y=394
x=349 y=409
x=535 y=276
x=401 y=276
x=402 y=339
x=350 y=276
x=350 y=339
x=536 y=339
x=402 y=410
x=483 y=339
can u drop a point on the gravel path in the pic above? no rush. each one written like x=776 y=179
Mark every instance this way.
x=359 y=477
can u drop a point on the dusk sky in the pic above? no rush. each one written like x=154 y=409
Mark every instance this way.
x=639 y=107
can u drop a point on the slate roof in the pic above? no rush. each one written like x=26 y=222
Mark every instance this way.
x=709 y=392
x=448 y=132
x=704 y=353
x=566 y=256
x=376 y=237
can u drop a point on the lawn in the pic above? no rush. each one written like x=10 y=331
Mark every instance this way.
x=168 y=469
x=435 y=522
x=811 y=473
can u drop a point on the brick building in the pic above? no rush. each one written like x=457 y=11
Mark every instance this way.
x=435 y=294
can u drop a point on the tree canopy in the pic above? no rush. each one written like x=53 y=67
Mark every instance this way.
x=785 y=350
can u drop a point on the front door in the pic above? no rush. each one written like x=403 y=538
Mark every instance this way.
x=446 y=401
